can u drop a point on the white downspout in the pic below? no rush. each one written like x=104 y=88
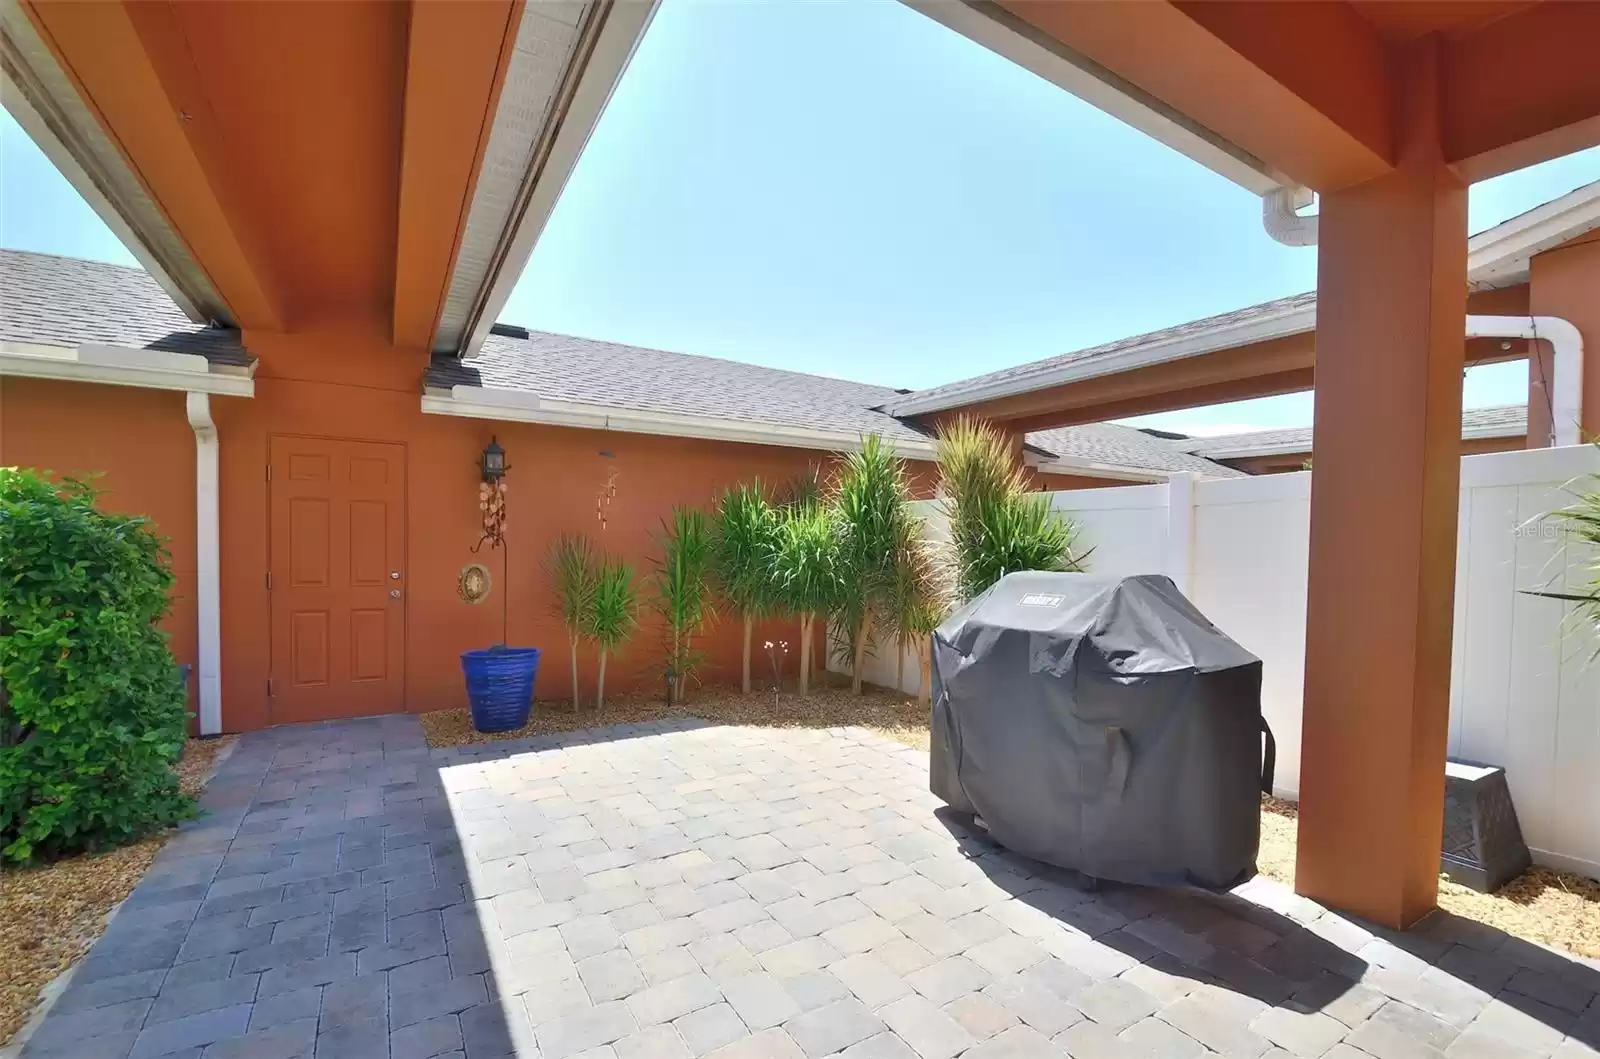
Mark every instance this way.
x=1279 y=218
x=208 y=561
x=1566 y=398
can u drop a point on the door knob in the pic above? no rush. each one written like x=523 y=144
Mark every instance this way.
x=394 y=593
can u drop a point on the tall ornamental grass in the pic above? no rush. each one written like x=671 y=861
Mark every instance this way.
x=997 y=525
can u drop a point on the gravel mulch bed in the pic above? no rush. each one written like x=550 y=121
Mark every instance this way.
x=1540 y=905
x=51 y=914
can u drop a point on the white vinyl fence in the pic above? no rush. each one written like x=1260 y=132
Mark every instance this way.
x=1524 y=692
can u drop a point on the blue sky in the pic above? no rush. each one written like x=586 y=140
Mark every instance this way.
x=853 y=190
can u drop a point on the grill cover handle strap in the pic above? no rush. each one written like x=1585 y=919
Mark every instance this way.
x=1269 y=757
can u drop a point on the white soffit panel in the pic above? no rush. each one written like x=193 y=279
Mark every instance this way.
x=546 y=41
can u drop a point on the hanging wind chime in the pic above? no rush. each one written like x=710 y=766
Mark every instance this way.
x=492 y=508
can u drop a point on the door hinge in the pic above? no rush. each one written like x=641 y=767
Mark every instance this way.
x=269 y=687
x=269 y=472
x=269 y=580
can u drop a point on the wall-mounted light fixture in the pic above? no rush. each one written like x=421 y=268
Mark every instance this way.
x=494 y=461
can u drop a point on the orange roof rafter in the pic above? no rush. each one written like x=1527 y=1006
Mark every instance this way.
x=111 y=55
x=456 y=66
x=1302 y=93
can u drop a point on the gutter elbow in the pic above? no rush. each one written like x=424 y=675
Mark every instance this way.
x=1279 y=218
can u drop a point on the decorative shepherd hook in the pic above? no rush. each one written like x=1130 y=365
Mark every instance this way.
x=492 y=503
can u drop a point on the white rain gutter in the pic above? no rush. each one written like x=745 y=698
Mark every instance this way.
x=1075 y=465
x=515 y=407
x=1566 y=398
x=124 y=366
x=1279 y=218
x=208 y=560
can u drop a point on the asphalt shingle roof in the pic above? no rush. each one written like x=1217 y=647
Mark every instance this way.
x=65 y=301
x=1502 y=420
x=586 y=371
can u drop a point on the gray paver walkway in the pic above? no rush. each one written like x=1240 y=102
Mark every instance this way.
x=681 y=889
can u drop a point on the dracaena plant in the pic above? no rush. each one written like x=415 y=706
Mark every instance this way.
x=613 y=615
x=916 y=602
x=804 y=566
x=571 y=569
x=745 y=522
x=869 y=501
x=681 y=591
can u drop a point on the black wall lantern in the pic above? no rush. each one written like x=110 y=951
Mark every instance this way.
x=494 y=461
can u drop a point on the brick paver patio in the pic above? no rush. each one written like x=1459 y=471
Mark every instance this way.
x=680 y=889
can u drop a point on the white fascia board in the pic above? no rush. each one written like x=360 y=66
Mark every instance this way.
x=1283 y=448
x=1303 y=446
x=1290 y=321
x=1006 y=35
x=619 y=36
x=1094 y=469
x=1499 y=430
x=1502 y=255
x=513 y=407
x=124 y=366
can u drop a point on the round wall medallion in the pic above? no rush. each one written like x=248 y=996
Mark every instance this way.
x=474 y=583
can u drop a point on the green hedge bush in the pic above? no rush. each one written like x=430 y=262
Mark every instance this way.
x=92 y=707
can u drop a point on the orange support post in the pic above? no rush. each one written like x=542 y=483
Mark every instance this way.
x=1391 y=297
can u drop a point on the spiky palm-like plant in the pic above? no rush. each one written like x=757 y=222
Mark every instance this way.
x=804 y=567
x=868 y=499
x=916 y=602
x=613 y=616
x=571 y=568
x=997 y=525
x=1581 y=520
x=681 y=589
x=745 y=522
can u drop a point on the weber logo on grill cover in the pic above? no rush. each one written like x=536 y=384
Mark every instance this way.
x=1039 y=599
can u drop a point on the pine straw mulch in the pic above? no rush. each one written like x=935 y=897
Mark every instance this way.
x=1540 y=905
x=51 y=914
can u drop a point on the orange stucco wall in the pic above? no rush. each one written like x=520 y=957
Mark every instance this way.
x=140 y=444
x=351 y=384
x=1566 y=283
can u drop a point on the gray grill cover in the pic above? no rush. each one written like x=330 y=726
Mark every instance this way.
x=1102 y=724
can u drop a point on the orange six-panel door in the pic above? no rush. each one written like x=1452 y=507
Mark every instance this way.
x=337 y=578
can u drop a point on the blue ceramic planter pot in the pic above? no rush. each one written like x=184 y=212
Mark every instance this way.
x=500 y=686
